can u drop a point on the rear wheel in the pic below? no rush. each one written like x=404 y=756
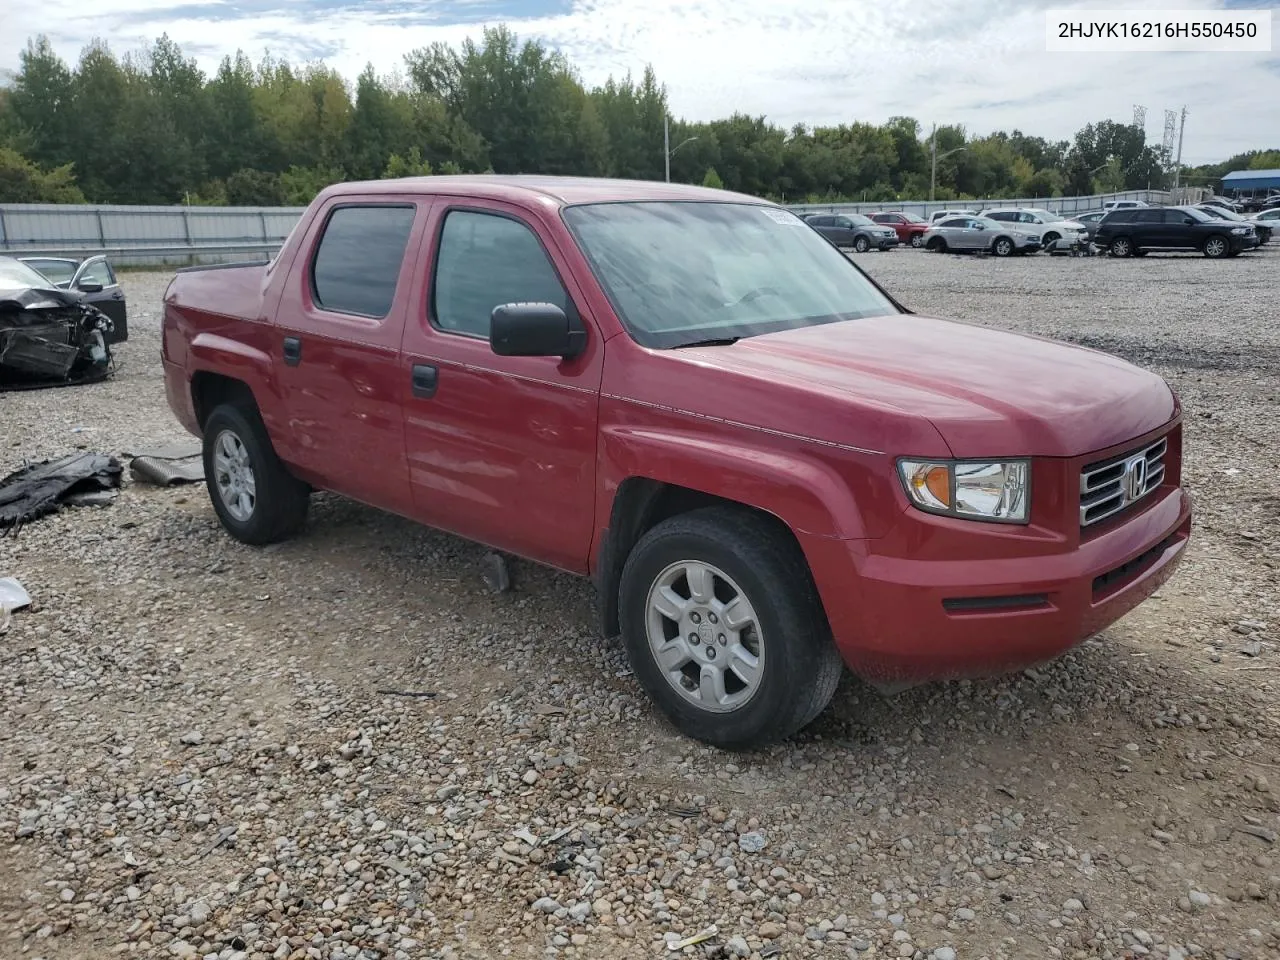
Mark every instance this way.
x=724 y=628
x=1121 y=247
x=937 y=244
x=861 y=244
x=255 y=497
x=917 y=240
x=1216 y=247
x=1003 y=247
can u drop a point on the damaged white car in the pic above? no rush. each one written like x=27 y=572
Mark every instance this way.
x=48 y=337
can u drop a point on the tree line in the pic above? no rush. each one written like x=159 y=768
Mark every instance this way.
x=151 y=127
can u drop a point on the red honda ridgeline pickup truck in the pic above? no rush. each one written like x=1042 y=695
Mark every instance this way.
x=765 y=463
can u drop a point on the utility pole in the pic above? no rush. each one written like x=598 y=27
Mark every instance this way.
x=1177 y=167
x=933 y=166
x=666 y=145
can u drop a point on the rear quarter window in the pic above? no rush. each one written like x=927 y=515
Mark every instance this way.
x=358 y=260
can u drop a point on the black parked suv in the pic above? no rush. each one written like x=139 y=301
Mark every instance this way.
x=1133 y=232
x=853 y=230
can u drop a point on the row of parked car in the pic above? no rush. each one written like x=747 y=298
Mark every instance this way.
x=1123 y=228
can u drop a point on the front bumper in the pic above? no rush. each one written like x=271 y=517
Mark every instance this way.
x=886 y=243
x=941 y=601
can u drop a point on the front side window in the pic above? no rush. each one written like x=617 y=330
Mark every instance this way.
x=484 y=261
x=98 y=272
x=679 y=273
x=358 y=260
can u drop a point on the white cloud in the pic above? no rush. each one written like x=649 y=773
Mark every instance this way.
x=812 y=61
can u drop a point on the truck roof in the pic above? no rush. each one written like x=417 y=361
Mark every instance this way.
x=562 y=191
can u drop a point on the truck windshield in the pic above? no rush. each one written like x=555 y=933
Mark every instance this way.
x=684 y=273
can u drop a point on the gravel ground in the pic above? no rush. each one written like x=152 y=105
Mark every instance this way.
x=207 y=750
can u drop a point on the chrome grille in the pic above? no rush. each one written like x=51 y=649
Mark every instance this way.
x=1108 y=487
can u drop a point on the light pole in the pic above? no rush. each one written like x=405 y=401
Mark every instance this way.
x=667 y=152
x=933 y=168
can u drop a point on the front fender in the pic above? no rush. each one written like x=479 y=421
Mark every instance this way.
x=813 y=488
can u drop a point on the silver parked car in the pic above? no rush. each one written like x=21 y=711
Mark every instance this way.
x=980 y=233
x=1051 y=226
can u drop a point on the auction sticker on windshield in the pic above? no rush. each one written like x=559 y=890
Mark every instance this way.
x=782 y=217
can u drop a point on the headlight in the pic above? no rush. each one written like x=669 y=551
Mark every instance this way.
x=991 y=490
x=1239 y=229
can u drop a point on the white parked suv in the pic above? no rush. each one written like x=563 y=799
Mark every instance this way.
x=1123 y=204
x=1051 y=226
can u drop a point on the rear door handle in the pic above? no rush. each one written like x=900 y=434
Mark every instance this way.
x=292 y=351
x=425 y=379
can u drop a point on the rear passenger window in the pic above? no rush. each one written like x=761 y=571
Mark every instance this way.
x=484 y=261
x=1148 y=216
x=358 y=261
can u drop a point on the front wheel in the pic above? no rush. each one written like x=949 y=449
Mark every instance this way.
x=255 y=497
x=861 y=244
x=917 y=240
x=1216 y=247
x=937 y=245
x=1003 y=247
x=724 y=628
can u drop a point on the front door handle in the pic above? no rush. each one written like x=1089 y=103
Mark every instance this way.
x=292 y=351
x=425 y=379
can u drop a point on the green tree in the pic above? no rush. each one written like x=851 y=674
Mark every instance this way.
x=712 y=179
x=301 y=184
x=255 y=188
x=409 y=166
x=21 y=181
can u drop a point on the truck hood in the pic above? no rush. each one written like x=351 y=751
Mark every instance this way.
x=987 y=392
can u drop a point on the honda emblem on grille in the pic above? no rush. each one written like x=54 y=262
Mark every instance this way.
x=1135 y=478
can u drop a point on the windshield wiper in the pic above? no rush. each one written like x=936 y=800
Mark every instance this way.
x=709 y=342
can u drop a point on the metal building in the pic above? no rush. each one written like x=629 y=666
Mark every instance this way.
x=1251 y=182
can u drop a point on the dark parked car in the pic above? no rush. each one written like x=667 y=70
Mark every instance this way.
x=48 y=336
x=1260 y=228
x=853 y=230
x=1134 y=231
x=92 y=277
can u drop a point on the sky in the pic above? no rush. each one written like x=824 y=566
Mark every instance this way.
x=981 y=63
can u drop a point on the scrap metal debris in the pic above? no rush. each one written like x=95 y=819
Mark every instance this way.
x=38 y=489
x=168 y=465
x=48 y=337
x=13 y=596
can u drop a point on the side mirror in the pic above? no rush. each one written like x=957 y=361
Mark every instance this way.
x=88 y=286
x=1188 y=220
x=533 y=330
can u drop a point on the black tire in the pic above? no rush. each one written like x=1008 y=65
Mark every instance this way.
x=937 y=245
x=280 y=501
x=1049 y=239
x=861 y=244
x=1216 y=247
x=917 y=240
x=800 y=666
x=1002 y=247
x=1121 y=247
